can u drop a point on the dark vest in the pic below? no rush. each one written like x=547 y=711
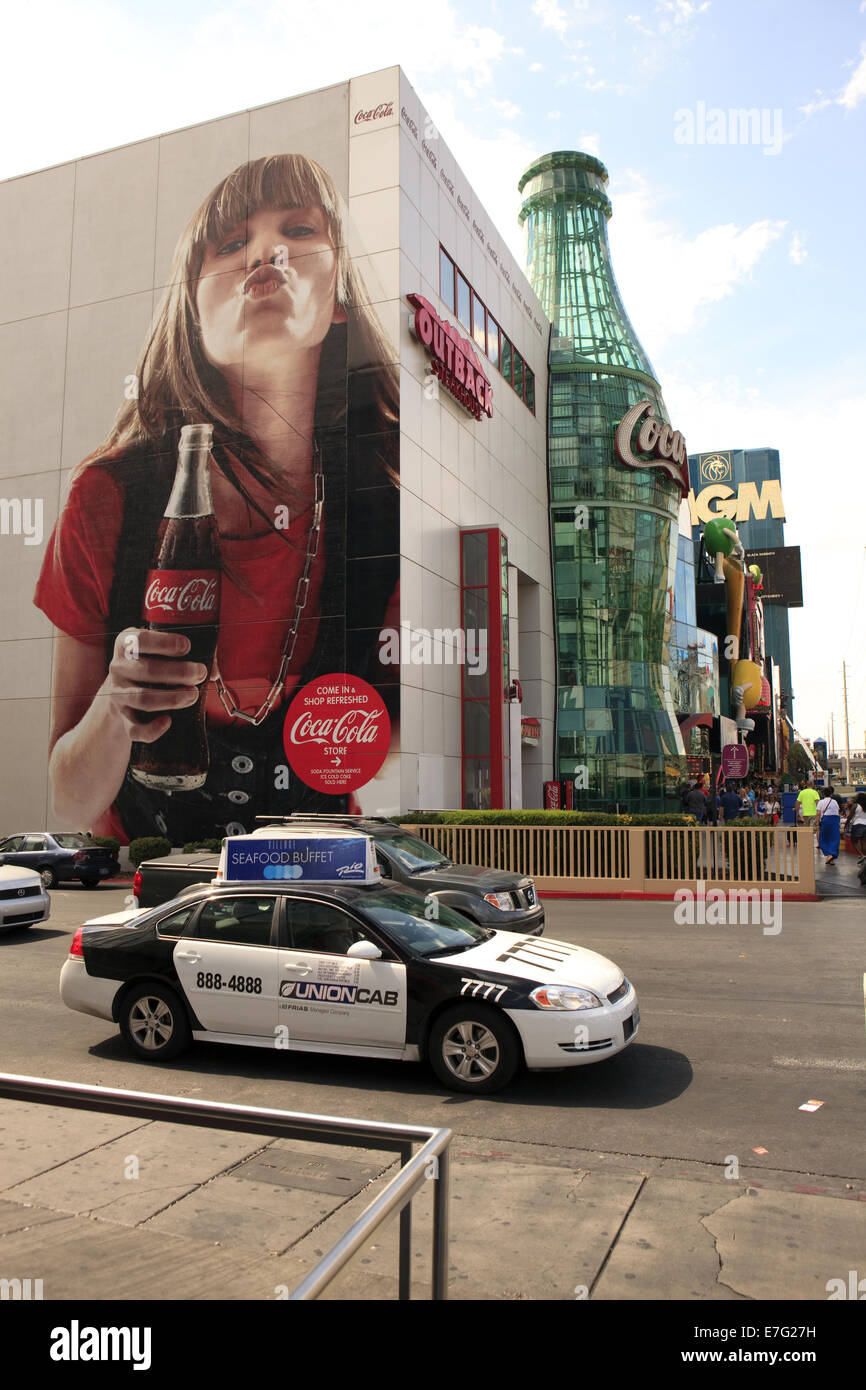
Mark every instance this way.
x=362 y=571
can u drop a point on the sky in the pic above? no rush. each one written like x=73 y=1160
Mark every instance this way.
x=740 y=262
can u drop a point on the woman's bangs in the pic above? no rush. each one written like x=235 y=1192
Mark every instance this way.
x=277 y=181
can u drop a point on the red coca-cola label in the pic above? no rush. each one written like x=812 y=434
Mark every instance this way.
x=337 y=733
x=182 y=598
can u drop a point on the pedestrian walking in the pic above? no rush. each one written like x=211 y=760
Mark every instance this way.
x=855 y=825
x=696 y=804
x=806 y=802
x=730 y=804
x=829 y=826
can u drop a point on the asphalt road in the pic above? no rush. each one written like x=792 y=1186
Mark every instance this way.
x=738 y=1029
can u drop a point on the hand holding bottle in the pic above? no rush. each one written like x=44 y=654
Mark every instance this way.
x=148 y=680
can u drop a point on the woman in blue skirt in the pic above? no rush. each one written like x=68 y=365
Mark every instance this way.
x=827 y=812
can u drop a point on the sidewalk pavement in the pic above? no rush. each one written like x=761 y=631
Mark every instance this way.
x=103 y=1207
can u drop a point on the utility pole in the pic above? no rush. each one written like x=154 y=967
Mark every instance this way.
x=832 y=736
x=847 y=743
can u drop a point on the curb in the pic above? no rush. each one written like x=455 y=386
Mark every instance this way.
x=671 y=897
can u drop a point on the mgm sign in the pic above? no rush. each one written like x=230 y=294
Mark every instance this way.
x=750 y=501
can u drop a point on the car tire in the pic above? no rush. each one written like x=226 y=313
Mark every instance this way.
x=154 y=1023
x=49 y=877
x=473 y=1049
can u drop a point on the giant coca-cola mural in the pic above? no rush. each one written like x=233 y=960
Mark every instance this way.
x=229 y=549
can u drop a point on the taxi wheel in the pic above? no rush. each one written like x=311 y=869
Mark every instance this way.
x=473 y=1049
x=154 y=1023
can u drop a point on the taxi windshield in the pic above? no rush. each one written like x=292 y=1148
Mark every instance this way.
x=423 y=924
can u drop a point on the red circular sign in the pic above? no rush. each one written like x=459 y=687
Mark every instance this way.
x=337 y=733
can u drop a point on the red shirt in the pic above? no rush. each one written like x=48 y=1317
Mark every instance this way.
x=257 y=601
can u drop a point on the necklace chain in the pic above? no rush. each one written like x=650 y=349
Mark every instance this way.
x=302 y=592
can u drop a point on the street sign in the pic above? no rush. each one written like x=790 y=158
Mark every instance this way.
x=735 y=761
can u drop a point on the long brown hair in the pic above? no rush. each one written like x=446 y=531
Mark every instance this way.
x=178 y=385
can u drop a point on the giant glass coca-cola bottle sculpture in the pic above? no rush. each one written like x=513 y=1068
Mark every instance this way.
x=182 y=595
x=617 y=471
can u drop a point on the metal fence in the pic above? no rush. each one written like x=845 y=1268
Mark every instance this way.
x=430 y=1163
x=635 y=859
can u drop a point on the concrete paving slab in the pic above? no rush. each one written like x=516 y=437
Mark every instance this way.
x=663 y=1250
x=79 y=1258
x=39 y=1138
x=129 y=1179
x=788 y=1245
x=519 y=1230
x=18 y=1216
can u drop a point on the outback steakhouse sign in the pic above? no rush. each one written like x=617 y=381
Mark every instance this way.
x=654 y=437
x=455 y=361
x=378 y=113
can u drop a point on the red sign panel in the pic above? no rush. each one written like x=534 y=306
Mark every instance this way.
x=735 y=761
x=455 y=361
x=552 y=796
x=337 y=733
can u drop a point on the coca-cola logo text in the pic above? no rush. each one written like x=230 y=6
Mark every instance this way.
x=181 y=596
x=378 y=113
x=654 y=437
x=352 y=726
x=336 y=733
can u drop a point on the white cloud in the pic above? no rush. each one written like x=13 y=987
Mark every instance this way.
x=811 y=107
x=554 y=115
x=536 y=67
x=506 y=109
x=688 y=274
x=851 y=95
x=552 y=16
x=125 y=83
x=855 y=88
x=797 y=251
x=589 y=144
x=679 y=13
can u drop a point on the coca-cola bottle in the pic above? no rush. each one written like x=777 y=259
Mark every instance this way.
x=182 y=595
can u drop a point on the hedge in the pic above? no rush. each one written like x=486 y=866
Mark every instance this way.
x=148 y=847
x=537 y=817
x=212 y=846
x=107 y=842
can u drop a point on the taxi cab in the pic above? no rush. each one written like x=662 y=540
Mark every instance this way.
x=298 y=944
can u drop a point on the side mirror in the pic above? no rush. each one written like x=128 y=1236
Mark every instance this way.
x=364 y=950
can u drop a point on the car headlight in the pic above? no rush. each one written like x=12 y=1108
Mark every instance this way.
x=501 y=900
x=564 y=997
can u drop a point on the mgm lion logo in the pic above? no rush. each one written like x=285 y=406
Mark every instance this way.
x=716 y=468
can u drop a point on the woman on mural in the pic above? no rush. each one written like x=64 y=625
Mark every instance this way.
x=265 y=333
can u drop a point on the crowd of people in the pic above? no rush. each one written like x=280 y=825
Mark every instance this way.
x=713 y=806
x=833 y=816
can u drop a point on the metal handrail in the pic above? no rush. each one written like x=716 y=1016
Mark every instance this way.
x=430 y=1163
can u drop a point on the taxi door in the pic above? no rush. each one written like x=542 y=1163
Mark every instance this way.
x=328 y=996
x=228 y=965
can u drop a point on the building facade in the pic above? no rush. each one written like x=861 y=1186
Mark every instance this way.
x=381 y=499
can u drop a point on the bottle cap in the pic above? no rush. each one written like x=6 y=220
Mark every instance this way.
x=196 y=436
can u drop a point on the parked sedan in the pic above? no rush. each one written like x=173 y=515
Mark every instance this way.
x=59 y=857
x=23 y=900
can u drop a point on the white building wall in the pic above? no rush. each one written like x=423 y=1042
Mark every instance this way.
x=458 y=472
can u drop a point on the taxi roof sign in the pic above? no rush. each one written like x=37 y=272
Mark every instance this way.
x=297 y=856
